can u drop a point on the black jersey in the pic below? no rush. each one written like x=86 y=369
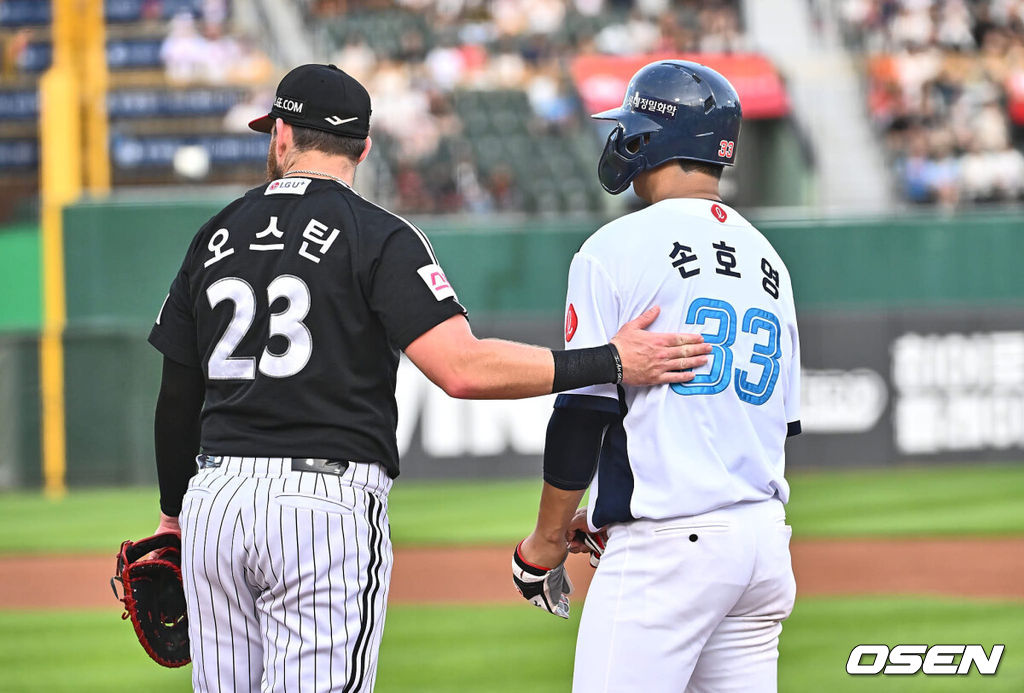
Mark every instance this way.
x=295 y=301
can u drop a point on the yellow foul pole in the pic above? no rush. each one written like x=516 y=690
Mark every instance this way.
x=94 y=87
x=60 y=173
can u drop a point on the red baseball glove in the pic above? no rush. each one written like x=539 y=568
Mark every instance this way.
x=149 y=571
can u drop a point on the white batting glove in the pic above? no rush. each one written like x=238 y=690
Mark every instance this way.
x=545 y=589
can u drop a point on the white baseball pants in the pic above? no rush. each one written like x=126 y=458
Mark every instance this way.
x=689 y=604
x=286 y=576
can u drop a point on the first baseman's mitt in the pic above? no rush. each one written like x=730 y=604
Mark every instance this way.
x=149 y=571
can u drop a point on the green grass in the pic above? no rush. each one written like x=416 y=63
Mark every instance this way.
x=510 y=649
x=946 y=500
x=978 y=499
x=817 y=640
x=85 y=521
x=78 y=651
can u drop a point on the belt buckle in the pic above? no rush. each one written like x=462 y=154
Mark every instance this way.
x=320 y=466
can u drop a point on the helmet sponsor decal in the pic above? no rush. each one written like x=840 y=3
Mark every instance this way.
x=647 y=104
x=571 y=323
x=719 y=213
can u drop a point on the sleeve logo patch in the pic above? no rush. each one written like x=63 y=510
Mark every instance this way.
x=719 y=213
x=433 y=277
x=571 y=323
x=288 y=186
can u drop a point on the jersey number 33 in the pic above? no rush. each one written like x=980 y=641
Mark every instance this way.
x=766 y=356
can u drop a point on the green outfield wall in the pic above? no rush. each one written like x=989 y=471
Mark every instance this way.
x=121 y=258
x=20 y=303
x=869 y=281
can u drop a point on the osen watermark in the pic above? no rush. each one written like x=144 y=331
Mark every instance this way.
x=933 y=660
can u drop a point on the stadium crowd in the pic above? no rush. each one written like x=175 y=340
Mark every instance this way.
x=206 y=52
x=415 y=56
x=946 y=88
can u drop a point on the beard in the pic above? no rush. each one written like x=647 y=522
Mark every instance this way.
x=274 y=170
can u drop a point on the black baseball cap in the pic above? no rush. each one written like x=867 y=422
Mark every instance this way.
x=321 y=97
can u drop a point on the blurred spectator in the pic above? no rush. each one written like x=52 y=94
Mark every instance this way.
x=213 y=56
x=151 y=11
x=221 y=53
x=637 y=35
x=430 y=51
x=357 y=59
x=215 y=13
x=472 y=195
x=412 y=193
x=239 y=116
x=544 y=16
x=15 y=50
x=252 y=66
x=550 y=100
x=446 y=65
x=939 y=74
x=503 y=191
x=184 y=50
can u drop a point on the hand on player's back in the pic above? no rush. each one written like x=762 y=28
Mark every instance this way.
x=655 y=358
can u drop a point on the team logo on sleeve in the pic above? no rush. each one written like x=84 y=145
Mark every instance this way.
x=719 y=213
x=434 y=278
x=571 y=323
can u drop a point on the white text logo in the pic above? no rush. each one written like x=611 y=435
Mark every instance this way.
x=289 y=104
x=936 y=660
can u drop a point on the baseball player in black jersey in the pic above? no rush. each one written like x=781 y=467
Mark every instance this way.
x=281 y=337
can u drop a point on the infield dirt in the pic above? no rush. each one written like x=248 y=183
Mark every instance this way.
x=951 y=567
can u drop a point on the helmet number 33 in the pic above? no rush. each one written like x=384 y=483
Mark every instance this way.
x=725 y=148
x=765 y=355
x=287 y=324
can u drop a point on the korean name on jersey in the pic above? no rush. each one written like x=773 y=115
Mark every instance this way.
x=295 y=301
x=718 y=440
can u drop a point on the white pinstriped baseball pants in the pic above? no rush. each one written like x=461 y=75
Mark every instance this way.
x=286 y=576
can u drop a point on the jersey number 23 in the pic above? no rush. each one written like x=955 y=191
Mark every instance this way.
x=288 y=324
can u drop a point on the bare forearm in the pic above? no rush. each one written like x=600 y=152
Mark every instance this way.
x=471 y=368
x=547 y=546
x=497 y=369
x=557 y=508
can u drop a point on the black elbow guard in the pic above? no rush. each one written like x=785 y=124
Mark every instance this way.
x=573 y=444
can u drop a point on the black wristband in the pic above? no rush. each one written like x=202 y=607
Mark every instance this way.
x=618 y=362
x=582 y=367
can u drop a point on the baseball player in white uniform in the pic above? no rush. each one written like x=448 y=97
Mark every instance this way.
x=686 y=481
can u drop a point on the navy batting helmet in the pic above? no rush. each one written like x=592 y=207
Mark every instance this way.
x=673 y=109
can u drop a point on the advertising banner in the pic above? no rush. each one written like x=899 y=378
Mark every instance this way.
x=878 y=388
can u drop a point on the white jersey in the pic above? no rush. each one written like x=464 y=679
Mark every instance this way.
x=718 y=440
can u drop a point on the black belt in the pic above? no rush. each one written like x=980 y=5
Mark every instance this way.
x=317 y=465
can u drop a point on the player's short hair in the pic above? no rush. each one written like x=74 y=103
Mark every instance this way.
x=690 y=166
x=307 y=139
